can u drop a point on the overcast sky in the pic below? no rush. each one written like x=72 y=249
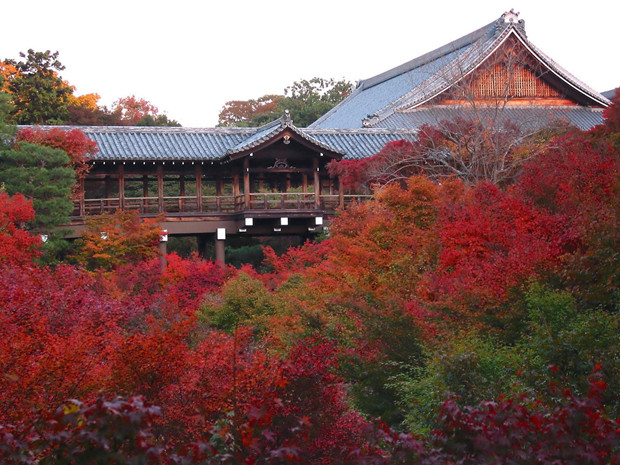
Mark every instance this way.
x=189 y=57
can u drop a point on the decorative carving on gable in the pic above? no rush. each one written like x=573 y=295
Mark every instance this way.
x=281 y=164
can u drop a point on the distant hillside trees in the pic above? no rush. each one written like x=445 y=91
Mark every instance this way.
x=40 y=96
x=307 y=100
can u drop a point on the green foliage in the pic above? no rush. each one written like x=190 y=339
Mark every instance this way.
x=244 y=301
x=43 y=175
x=39 y=94
x=563 y=346
x=6 y=130
x=246 y=254
x=159 y=120
x=472 y=369
x=307 y=100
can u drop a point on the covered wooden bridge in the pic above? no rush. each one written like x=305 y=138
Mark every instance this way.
x=218 y=182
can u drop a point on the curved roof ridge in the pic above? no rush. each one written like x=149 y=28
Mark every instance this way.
x=148 y=129
x=431 y=56
x=445 y=78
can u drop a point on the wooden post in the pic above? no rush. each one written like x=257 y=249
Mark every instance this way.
x=219 y=184
x=246 y=181
x=317 y=185
x=121 y=186
x=145 y=193
x=181 y=192
x=236 y=186
x=340 y=192
x=220 y=251
x=199 y=188
x=163 y=250
x=160 y=188
x=81 y=199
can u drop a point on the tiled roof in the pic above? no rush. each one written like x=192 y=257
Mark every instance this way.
x=163 y=143
x=359 y=143
x=527 y=118
x=215 y=144
x=416 y=82
x=270 y=130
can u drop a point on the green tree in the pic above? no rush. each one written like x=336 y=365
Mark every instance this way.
x=306 y=99
x=6 y=130
x=39 y=94
x=43 y=175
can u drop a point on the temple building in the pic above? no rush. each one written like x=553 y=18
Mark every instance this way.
x=493 y=72
x=274 y=179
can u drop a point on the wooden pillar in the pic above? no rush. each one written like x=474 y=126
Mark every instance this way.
x=81 y=196
x=220 y=251
x=199 y=188
x=304 y=183
x=181 y=192
x=163 y=250
x=246 y=181
x=236 y=186
x=340 y=192
x=121 y=186
x=160 y=188
x=145 y=193
x=317 y=185
x=219 y=184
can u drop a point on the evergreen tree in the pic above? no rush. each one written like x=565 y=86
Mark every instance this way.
x=39 y=94
x=43 y=175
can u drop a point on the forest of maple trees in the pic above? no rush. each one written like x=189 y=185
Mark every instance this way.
x=445 y=321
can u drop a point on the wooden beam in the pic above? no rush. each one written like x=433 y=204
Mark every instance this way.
x=160 y=188
x=317 y=185
x=246 y=181
x=145 y=193
x=81 y=198
x=121 y=185
x=199 y=187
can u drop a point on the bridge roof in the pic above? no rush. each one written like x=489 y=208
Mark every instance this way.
x=140 y=143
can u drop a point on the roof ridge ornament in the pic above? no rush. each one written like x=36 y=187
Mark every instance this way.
x=512 y=18
x=286 y=119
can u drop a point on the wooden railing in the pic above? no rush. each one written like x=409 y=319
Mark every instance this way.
x=215 y=204
x=282 y=201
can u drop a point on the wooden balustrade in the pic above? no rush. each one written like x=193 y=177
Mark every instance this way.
x=216 y=203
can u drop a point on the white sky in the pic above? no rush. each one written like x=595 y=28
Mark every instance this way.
x=189 y=57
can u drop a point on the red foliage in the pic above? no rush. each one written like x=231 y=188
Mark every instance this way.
x=351 y=173
x=491 y=243
x=16 y=245
x=295 y=260
x=510 y=431
x=56 y=332
x=133 y=109
x=74 y=142
x=578 y=180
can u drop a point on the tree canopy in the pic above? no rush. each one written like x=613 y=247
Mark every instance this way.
x=307 y=100
x=39 y=95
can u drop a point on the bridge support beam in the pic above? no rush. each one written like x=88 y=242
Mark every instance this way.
x=220 y=251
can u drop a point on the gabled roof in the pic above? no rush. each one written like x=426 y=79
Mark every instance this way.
x=418 y=81
x=274 y=130
x=140 y=143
